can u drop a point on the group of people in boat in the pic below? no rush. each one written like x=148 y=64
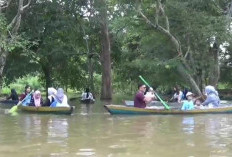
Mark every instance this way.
x=56 y=98
x=142 y=98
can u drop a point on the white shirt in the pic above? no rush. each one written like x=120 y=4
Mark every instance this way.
x=64 y=103
x=150 y=95
x=89 y=97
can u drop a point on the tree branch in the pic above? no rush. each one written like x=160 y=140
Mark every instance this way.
x=162 y=29
x=161 y=9
x=187 y=52
x=15 y=23
x=7 y=3
x=27 y=5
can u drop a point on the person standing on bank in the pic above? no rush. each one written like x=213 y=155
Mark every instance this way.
x=140 y=100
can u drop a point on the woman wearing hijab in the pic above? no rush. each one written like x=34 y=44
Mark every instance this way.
x=36 y=99
x=212 y=99
x=61 y=99
x=51 y=96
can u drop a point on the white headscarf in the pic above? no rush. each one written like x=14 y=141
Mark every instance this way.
x=52 y=91
x=210 y=89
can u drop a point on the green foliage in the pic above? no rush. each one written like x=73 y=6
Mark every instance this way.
x=196 y=24
x=19 y=84
x=51 y=42
x=3 y=32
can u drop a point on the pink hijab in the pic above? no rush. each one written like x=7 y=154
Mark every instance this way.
x=37 y=98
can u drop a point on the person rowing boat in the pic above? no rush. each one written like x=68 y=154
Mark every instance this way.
x=25 y=96
x=140 y=100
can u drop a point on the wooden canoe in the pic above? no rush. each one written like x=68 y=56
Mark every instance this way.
x=130 y=103
x=121 y=109
x=10 y=102
x=54 y=110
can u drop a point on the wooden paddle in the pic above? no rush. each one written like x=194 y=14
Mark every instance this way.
x=14 y=108
x=165 y=105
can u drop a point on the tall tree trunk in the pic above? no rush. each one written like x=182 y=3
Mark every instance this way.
x=91 y=84
x=215 y=67
x=106 y=90
x=3 y=56
x=47 y=73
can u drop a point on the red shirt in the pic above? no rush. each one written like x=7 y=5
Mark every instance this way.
x=22 y=96
x=139 y=100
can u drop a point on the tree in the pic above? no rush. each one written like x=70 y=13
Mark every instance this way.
x=189 y=28
x=106 y=91
x=9 y=35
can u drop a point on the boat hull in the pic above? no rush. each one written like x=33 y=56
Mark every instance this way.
x=53 y=110
x=130 y=103
x=120 y=109
x=9 y=102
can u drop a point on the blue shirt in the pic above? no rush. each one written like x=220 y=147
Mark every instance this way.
x=27 y=100
x=188 y=105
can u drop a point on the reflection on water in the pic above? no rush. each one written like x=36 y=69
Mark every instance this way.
x=57 y=131
x=93 y=132
x=86 y=109
x=188 y=125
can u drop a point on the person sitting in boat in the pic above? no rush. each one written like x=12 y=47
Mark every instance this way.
x=212 y=99
x=87 y=96
x=178 y=95
x=36 y=99
x=185 y=91
x=198 y=104
x=51 y=96
x=188 y=104
x=140 y=100
x=61 y=99
x=25 y=95
x=13 y=95
x=151 y=93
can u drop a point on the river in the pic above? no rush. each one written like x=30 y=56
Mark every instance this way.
x=95 y=133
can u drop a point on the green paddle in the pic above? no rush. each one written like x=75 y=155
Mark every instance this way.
x=165 y=105
x=14 y=108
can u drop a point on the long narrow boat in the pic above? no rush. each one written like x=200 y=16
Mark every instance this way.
x=54 y=110
x=130 y=103
x=10 y=102
x=7 y=103
x=122 y=109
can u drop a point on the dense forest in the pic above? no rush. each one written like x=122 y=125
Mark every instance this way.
x=107 y=44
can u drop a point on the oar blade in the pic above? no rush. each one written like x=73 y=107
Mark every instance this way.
x=13 y=109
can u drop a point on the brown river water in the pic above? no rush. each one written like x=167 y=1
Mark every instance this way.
x=95 y=133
